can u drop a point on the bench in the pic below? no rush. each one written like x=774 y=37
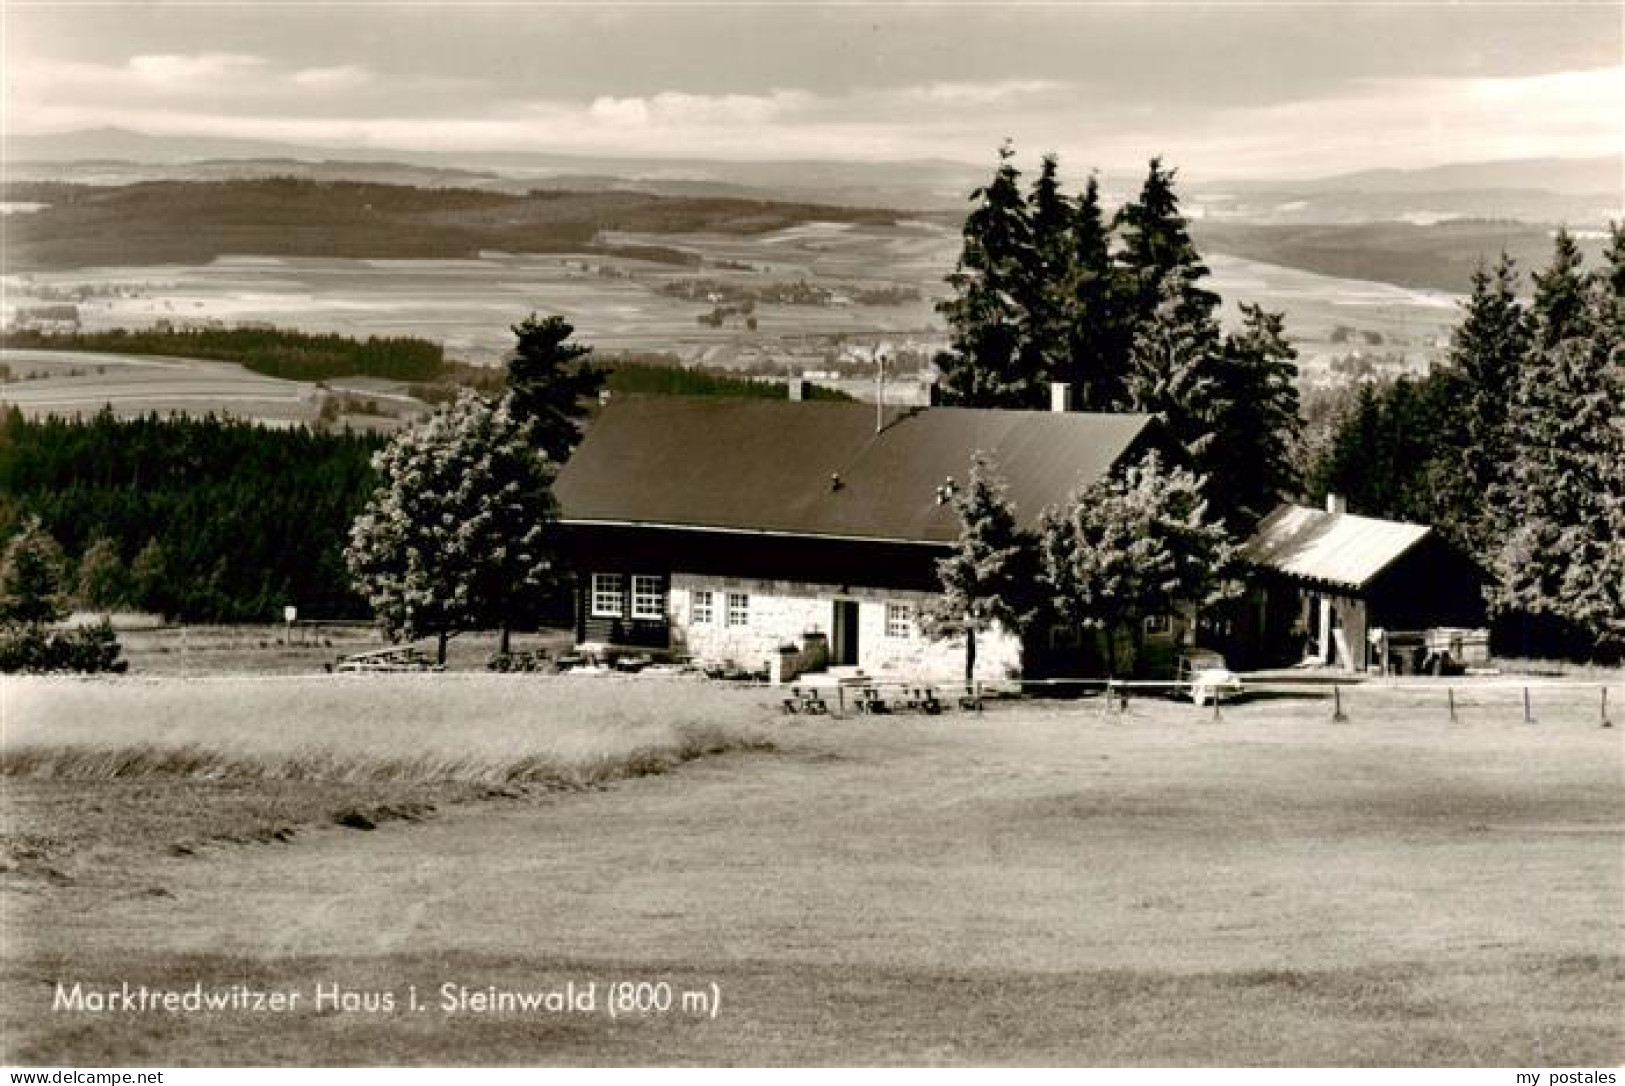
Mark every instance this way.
x=805 y=700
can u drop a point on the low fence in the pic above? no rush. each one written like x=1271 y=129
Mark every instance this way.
x=1453 y=701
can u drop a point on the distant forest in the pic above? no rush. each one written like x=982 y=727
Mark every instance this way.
x=275 y=352
x=210 y=520
x=183 y=222
x=199 y=519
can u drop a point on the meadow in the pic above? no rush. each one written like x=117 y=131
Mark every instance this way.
x=1045 y=882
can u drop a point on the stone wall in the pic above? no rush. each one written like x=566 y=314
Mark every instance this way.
x=783 y=612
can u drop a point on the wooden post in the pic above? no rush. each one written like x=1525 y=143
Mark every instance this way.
x=1528 y=718
x=1215 y=706
x=1338 y=716
x=1452 y=692
x=840 y=697
x=1605 y=721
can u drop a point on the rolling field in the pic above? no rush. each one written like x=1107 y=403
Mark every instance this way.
x=616 y=303
x=80 y=383
x=1042 y=883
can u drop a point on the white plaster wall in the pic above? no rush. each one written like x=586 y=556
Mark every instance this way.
x=781 y=612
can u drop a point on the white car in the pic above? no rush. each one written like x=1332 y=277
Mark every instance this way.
x=1203 y=676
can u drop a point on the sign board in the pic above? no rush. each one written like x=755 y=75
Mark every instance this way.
x=290 y=614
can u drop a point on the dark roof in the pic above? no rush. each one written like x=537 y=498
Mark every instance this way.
x=1330 y=548
x=765 y=465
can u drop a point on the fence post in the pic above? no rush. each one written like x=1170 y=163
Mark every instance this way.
x=840 y=697
x=1451 y=691
x=1528 y=718
x=1605 y=721
x=1215 y=706
x=1338 y=716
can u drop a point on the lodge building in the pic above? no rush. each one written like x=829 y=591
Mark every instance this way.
x=788 y=536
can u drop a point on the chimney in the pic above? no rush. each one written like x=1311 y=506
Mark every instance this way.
x=1060 y=396
x=1336 y=505
x=798 y=389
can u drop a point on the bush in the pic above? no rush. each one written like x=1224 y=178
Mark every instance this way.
x=87 y=649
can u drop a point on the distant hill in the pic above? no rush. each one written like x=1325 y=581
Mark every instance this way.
x=1604 y=175
x=930 y=183
x=1579 y=190
x=160 y=222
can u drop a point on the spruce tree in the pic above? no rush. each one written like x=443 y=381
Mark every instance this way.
x=1156 y=250
x=548 y=380
x=1176 y=376
x=1560 y=309
x=1487 y=352
x=1256 y=425
x=988 y=322
x=1562 y=564
x=1097 y=351
x=1044 y=284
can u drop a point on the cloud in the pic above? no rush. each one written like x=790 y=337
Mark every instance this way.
x=982 y=94
x=674 y=109
x=342 y=77
x=1393 y=121
x=187 y=72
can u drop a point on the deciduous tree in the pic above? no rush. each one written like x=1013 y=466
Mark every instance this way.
x=1135 y=544
x=457 y=535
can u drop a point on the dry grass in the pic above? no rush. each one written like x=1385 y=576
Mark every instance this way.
x=104 y=772
x=473 y=728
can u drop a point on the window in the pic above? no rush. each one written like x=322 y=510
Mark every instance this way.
x=648 y=597
x=704 y=601
x=899 y=620
x=738 y=609
x=1158 y=624
x=607 y=595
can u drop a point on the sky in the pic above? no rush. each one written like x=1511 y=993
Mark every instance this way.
x=1223 y=89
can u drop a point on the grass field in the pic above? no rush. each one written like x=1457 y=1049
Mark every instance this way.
x=1042 y=883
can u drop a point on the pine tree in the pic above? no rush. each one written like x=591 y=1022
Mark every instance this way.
x=987 y=320
x=1097 y=350
x=548 y=380
x=1137 y=543
x=989 y=577
x=457 y=535
x=31 y=578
